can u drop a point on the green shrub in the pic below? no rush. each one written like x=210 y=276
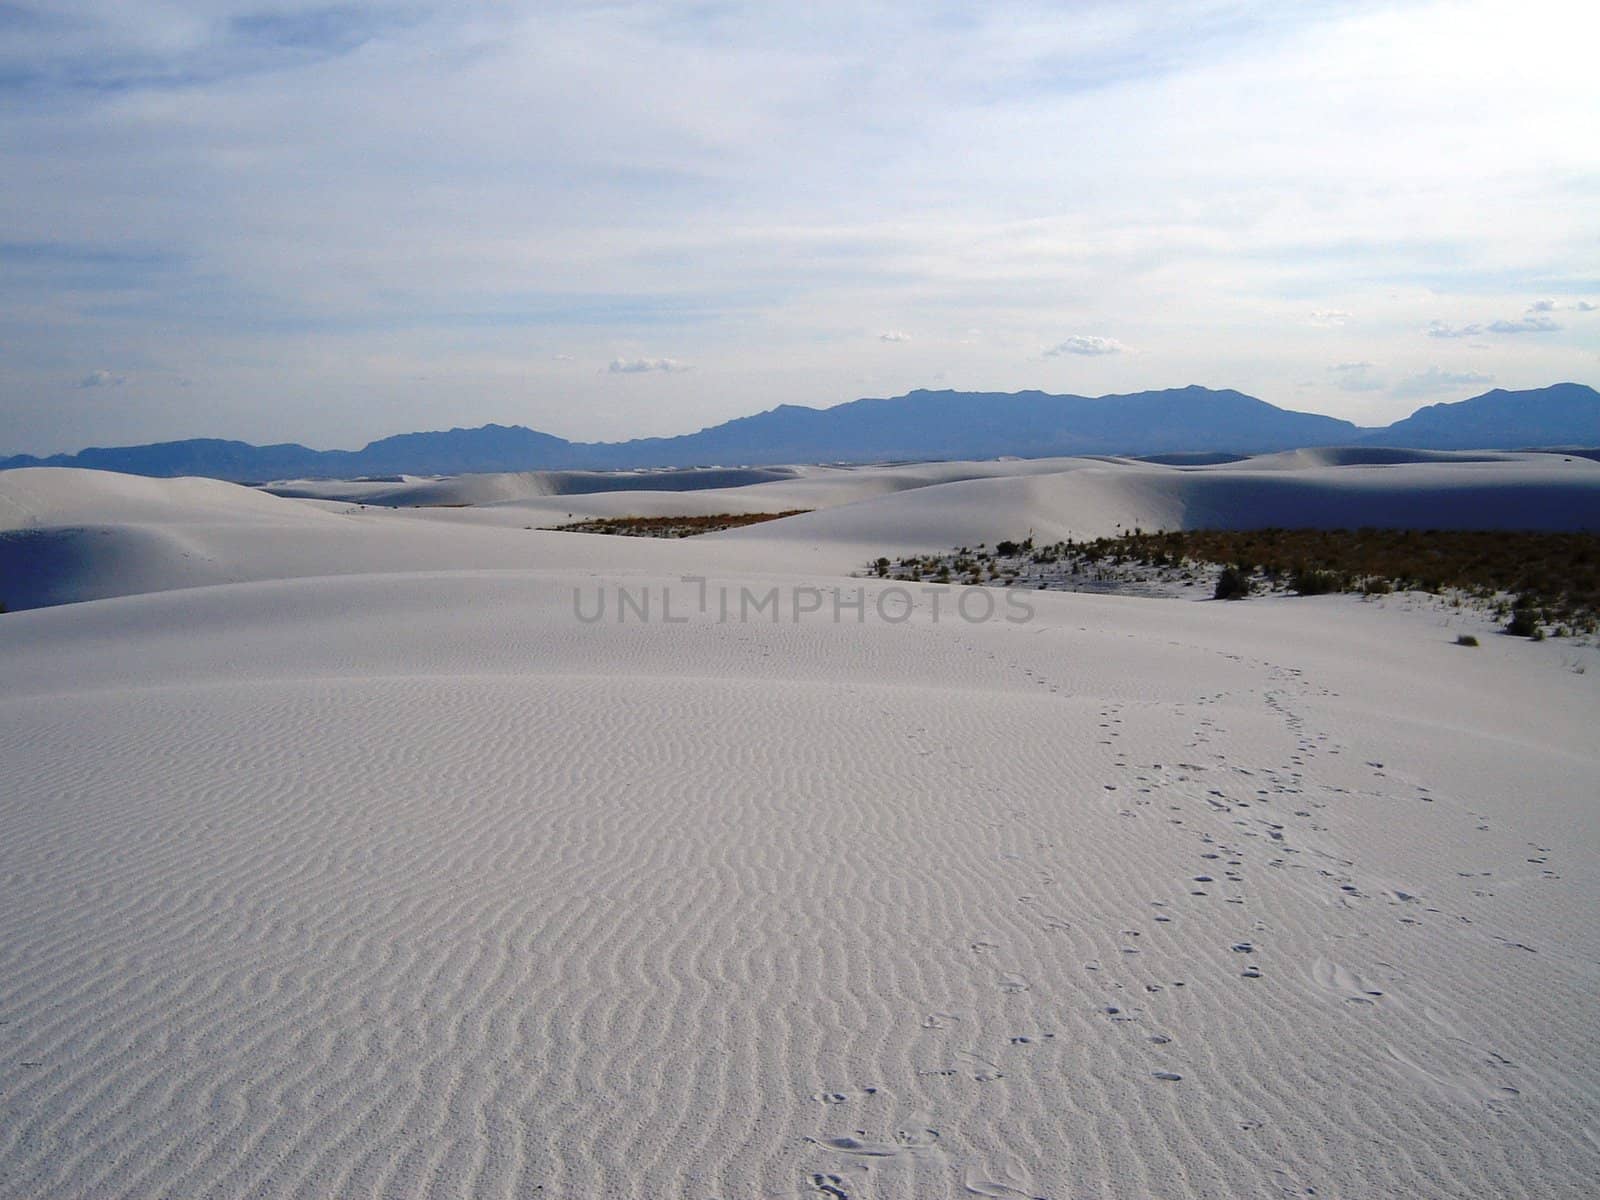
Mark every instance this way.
x=1525 y=623
x=1312 y=582
x=1466 y=639
x=1232 y=584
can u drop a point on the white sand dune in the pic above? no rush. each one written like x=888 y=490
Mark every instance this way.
x=1099 y=499
x=549 y=496
x=418 y=885
x=391 y=874
x=1379 y=456
x=72 y=535
x=61 y=497
x=69 y=535
x=501 y=487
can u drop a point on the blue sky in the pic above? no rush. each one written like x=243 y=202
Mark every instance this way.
x=328 y=223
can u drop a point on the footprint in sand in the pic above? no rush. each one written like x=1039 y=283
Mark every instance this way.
x=900 y=1142
x=985 y=1184
x=987 y=1071
x=1343 y=982
x=843 y=1097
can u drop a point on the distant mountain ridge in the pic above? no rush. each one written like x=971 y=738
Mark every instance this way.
x=1565 y=414
x=919 y=425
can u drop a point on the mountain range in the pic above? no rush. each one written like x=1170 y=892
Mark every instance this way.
x=922 y=425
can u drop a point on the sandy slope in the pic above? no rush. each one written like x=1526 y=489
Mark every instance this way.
x=422 y=886
x=396 y=877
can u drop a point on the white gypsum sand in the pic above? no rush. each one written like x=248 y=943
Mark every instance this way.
x=382 y=872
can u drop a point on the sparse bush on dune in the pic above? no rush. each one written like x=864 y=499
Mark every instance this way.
x=1526 y=619
x=1311 y=582
x=1232 y=584
x=1466 y=639
x=672 y=527
x=1557 y=574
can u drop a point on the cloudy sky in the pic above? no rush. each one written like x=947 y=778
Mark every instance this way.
x=285 y=221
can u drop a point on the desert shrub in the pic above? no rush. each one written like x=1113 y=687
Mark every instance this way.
x=1308 y=581
x=1558 y=572
x=1466 y=639
x=1232 y=584
x=1007 y=549
x=671 y=527
x=881 y=567
x=1525 y=623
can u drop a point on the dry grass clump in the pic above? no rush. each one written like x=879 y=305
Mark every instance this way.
x=672 y=527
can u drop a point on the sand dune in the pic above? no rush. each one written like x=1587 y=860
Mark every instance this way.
x=1099 y=499
x=420 y=885
x=73 y=535
x=388 y=852
x=504 y=498
x=1377 y=456
x=500 y=487
x=61 y=497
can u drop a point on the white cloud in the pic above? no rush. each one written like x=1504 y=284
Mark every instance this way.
x=1087 y=344
x=894 y=335
x=640 y=366
x=1538 y=323
x=1329 y=318
x=1357 y=377
x=101 y=378
x=1436 y=379
x=1549 y=306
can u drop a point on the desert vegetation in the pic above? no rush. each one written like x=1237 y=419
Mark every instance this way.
x=672 y=527
x=1539 y=584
